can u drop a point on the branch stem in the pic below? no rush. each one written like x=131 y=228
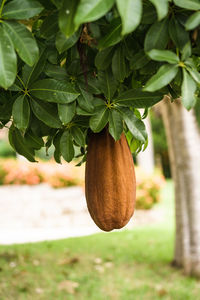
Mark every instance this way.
x=2 y=6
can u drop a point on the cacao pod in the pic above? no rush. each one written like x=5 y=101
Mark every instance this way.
x=110 y=185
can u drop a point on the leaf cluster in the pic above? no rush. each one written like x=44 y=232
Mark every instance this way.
x=68 y=67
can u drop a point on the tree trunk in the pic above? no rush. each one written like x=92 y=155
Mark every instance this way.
x=184 y=151
x=145 y=159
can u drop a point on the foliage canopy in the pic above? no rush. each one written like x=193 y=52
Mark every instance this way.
x=67 y=67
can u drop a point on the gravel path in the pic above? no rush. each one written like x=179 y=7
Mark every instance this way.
x=38 y=213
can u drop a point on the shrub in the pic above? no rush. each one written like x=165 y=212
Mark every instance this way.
x=148 y=188
x=22 y=172
x=58 y=176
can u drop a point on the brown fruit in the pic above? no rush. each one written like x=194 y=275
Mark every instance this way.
x=110 y=185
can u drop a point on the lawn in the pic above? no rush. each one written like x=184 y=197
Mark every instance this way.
x=125 y=265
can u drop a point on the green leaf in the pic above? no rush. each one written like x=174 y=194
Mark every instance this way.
x=99 y=120
x=23 y=41
x=56 y=142
x=82 y=161
x=83 y=123
x=10 y=136
x=18 y=142
x=66 y=146
x=113 y=35
x=85 y=101
x=177 y=32
x=6 y=103
x=66 y=17
x=63 y=43
x=190 y=63
x=17 y=85
x=149 y=15
x=136 y=126
x=22 y=9
x=82 y=112
x=55 y=72
x=46 y=113
x=8 y=60
x=98 y=102
x=74 y=67
x=57 y=3
x=188 y=89
x=149 y=69
x=139 y=60
x=30 y=74
x=134 y=145
x=66 y=112
x=103 y=58
x=33 y=141
x=163 y=77
x=95 y=30
x=161 y=8
x=78 y=136
x=163 y=55
x=138 y=98
x=119 y=65
x=52 y=90
x=38 y=127
x=48 y=143
x=48 y=4
x=186 y=51
x=195 y=74
x=15 y=88
x=107 y=83
x=52 y=55
x=92 y=87
x=130 y=12
x=21 y=112
x=91 y=10
x=157 y=36
x=49 y=26
x=115 y=124
x=188 y=4
x=193 y=21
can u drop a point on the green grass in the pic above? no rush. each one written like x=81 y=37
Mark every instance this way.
x=123 y=265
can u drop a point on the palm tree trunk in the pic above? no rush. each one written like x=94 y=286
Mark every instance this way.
x=184 y=151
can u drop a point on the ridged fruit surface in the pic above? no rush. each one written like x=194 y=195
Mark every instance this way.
x=110 y=184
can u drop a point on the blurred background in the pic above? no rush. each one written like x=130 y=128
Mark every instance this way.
x=51 y=249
